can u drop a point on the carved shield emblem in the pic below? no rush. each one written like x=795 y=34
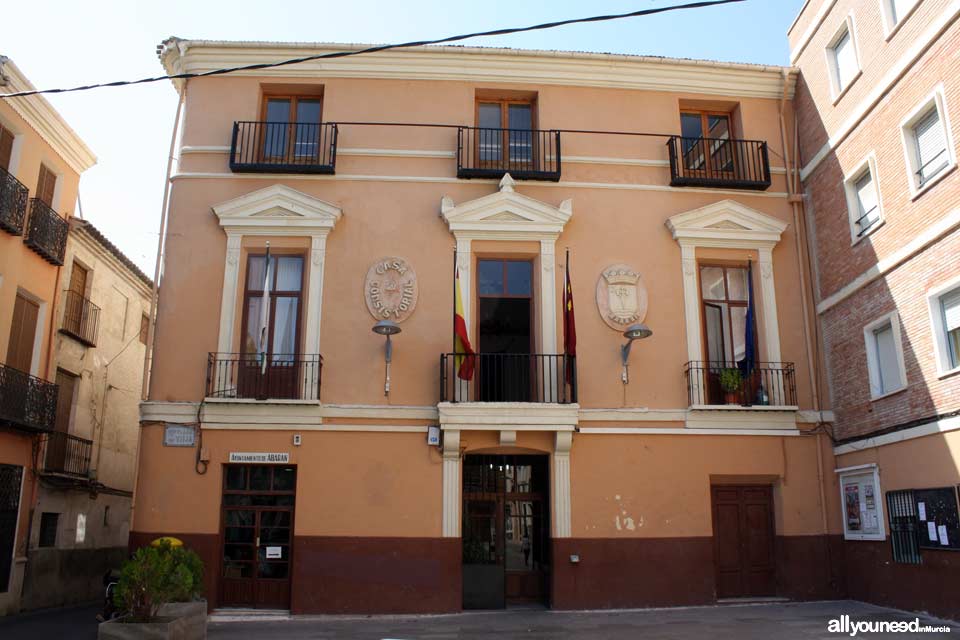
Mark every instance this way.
x=621 y=296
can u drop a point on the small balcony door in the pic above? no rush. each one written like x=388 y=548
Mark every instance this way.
x=506 y=136
x=723 y=292
x=291 y=133
x=505 y=326
x=706 y=148
x=280 y=376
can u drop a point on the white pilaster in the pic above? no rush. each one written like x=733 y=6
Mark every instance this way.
x=465 y=266
x=228 y=306
x=548 y=297
x=691 y=301
x=318 y=251
x=768 y=297
x=561 y=484
x=451 y=484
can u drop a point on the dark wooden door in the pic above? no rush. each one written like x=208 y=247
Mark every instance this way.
x=258 y=508
x=46 y=183
x=743 y=537
x=23 y=330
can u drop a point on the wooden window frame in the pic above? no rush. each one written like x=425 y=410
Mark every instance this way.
x=294 y=96
x=727 y=300
x=249 y=294
x=46 y=172
x=6 y=132
x=504 y=100
x=705 y=115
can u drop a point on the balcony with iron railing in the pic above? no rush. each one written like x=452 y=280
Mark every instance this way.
x=718 y=162
x=81 y=318
x=509 y=377
x=730 y=385
x=278 y=376
x=13 y=203
x=283 y=147
x=526 y=154
x=27 y=403
x=66 y=454
x=46 y=232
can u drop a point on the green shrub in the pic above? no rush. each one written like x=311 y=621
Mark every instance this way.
x=155 y=576
x=731 y=380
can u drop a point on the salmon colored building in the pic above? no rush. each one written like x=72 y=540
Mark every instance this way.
x=877 y=102
x=41 y=159
x=675 y=456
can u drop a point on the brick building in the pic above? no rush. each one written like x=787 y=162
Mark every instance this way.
x=876 y=107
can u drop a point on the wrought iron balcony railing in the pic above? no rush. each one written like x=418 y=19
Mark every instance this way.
x=526 y=154
x=718 y=162
x=283 y=147
x=66 y=454
x=80 y=318
x=284 y=376
x=769 y=384
x=13 y=203
x=509 y=377
x=46 y=232
x=26 y=402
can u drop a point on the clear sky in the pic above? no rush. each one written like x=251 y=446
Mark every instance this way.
x=65 y=42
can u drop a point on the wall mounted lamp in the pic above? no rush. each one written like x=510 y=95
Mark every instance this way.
x=387 y=328
x=633 y=332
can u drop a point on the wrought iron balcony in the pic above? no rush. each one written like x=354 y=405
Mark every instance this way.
x=283 y=147
x=80 y=318
x=66 y=454
x=284 y=376
x=718 y=162
x=526 y=154
x=509 y=377
x=13 y=203
x=46 y=232
x=26 y=402
x=770 y=384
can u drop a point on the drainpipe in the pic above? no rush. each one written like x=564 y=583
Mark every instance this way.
x=161 y=247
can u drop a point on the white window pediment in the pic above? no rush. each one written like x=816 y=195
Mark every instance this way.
x=506 y=215
x=277 y=210
x=726 y=224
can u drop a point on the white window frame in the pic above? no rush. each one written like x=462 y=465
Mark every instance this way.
x=873 y=366
x=891 y=26
x=868 y=164
x=940 y=344
x=935 y=100
x=847 y=474
x=833 y=69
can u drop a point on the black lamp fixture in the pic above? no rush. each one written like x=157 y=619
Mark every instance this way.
x=633 y=332
x=387 y=328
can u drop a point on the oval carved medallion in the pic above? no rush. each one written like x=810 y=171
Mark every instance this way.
x=390 y=289
x=621 y=296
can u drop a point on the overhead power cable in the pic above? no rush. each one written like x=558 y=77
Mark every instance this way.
x=384 y=47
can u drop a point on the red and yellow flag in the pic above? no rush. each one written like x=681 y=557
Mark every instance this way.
x=463 y=363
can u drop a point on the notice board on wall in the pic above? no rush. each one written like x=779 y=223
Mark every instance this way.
x=938 y=518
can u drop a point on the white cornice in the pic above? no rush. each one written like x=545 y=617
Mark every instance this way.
x=277 y=210
x=477 y=64
x=726 y=223
x=45 y=120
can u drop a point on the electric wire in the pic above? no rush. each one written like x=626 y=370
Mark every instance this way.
x=375 y=49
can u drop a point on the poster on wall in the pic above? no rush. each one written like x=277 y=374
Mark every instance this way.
x=852 y=501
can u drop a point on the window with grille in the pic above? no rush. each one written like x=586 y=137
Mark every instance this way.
x=48 y=529
x=904 y=524
x=930 y=146
x=868 y=211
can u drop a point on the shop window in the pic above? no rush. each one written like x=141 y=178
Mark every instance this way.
x=860 y=497
x=48 y=529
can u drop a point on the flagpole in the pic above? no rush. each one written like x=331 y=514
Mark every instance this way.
x=453 y=316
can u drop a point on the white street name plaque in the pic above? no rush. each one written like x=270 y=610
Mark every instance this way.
x=178 y=435
x=262 y=458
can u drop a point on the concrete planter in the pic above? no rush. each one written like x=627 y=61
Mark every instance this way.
x=194 y=615
x=162 y=629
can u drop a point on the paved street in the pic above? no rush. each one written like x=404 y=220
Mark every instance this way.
x=806 y=621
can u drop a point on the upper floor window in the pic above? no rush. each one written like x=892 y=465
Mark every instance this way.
x=885 y=356
x=927 y=143
x=705 y=137
x=895 y=12
x=723 y=293
x=945 y=316
x=292 y=129
x=842 y=58
x=284 y=297
x=6 y=148
x=863 y=200
x=506 y=124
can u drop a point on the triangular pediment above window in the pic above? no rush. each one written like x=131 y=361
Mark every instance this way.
x=505 y=214
x=727 y=223
x=277 y=210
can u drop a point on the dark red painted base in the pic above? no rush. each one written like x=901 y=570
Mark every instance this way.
x=376 y=575
x=933 y=587
x=810 y=567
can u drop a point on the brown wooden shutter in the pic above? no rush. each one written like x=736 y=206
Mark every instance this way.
x=144 y=328
x=6 y=148
x=67 y=383
x=23 y=330
x=46 y=183
x=78 y=279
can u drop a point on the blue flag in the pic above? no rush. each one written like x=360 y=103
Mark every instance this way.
x=748 y=362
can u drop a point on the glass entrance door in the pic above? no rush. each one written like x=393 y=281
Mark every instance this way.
x=506 y=531
x=258 y=504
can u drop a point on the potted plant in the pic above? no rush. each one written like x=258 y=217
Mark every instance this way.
x=151 y=583
x=731 y=381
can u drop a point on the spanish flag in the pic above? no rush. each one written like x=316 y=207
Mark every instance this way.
x=461 y=341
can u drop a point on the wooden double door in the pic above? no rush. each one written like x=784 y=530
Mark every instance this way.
x=743 y=539
x=257 y=534
x=506 y=531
